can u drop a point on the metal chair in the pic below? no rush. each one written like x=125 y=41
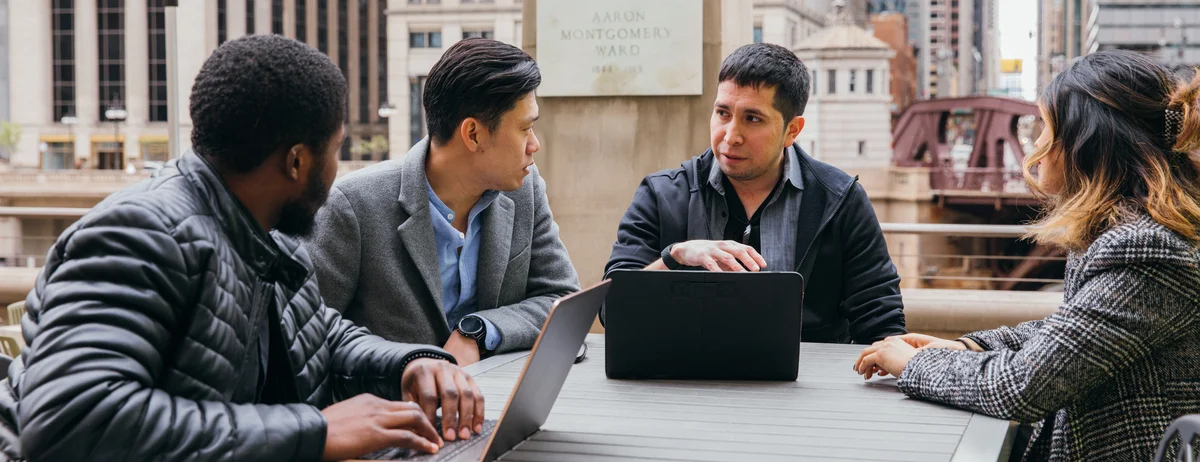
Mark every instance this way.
x=1186 y=428
x=15 y=311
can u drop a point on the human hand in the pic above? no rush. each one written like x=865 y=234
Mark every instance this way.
x=718 y=256
x=429 y=382
x=367 y=423
x=886 y=357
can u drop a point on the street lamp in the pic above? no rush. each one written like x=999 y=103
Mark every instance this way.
x=117 y=114
x=386 y=110
x=70 y=122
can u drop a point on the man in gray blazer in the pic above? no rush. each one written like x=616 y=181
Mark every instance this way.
x=453 y=244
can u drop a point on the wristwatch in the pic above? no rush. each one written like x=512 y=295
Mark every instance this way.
x=473 y=327
x=668 y=260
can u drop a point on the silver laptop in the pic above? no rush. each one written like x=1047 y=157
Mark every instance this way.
x=537 y=387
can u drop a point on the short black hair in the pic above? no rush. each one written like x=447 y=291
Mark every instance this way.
x=478 y=78
x=260 y=93
x=770 y=65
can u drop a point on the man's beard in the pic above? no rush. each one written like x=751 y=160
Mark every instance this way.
x=298 y=217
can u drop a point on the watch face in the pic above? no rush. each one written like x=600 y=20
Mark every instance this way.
x=470 y=325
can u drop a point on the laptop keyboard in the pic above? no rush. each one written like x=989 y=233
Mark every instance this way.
x=448 y=452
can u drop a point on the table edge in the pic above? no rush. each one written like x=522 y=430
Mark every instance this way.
x=985 y=439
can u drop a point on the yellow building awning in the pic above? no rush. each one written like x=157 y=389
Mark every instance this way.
x=108 y=138
x=56 y=138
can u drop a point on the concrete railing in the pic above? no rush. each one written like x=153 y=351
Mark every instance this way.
x=944 y=312
x=945 y=229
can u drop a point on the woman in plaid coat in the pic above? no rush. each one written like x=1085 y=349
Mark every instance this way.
x=1102 y=378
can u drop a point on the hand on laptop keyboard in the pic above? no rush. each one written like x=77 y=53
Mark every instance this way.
x=450 y=451
x=368 y=423
x=432 y=383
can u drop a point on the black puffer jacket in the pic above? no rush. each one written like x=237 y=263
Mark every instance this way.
x=138 y=326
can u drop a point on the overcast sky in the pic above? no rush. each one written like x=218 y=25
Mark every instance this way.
x=1017 y=19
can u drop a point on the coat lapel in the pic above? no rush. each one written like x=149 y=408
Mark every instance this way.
x=493 y=252
x=416 y=232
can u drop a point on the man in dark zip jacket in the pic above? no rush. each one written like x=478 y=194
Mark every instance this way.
x=756 y=201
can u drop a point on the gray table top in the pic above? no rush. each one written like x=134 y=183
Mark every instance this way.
x=828 y=413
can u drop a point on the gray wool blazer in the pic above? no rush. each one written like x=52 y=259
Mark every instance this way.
x=1104 y=376
x=373 y=248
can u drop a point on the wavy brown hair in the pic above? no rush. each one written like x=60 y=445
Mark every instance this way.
x=1107 y=117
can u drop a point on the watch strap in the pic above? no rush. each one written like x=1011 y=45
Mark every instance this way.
x=668 y=260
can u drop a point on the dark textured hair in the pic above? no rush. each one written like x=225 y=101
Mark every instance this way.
x=478 y=78
x=260 y=93
x=1108 y=119
x=770 y=65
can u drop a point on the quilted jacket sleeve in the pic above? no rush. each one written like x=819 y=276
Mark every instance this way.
x=107 y=308
x=366 y=363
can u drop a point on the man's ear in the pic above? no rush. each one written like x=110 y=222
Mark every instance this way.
x=793 y=129
x=293 y=160
x=471 y=132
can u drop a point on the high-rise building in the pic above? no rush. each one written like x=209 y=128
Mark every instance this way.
x=892 y=28
x=90 y=89
x=1052 y=44
x=1168 y=30
x=962 y=49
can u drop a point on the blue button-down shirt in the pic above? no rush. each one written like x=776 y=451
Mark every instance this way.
x=458 y=260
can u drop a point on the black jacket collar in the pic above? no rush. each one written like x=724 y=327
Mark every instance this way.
x=255 y=246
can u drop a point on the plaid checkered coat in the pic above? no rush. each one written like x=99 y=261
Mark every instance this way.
x=1101 y=378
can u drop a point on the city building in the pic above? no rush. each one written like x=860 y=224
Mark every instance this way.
x=1166 y=29
x=1052 y=45
x=90 y=91
x=785 y=23
x=961 y=52
x=892 y=28
x=917 y=12
x=420 y=31
x=848 y=120
x=1010 y=79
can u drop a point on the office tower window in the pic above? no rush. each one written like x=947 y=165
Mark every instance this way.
x=853 y=80
x=222 y=22
x=110 y=15
x=382 y=59
x=157 y=44
x=425 y=39
x=364 y=76
x=832 y=81
x=62 y=36
x=276 y=16
x=302 y=20
x=870 y=81
x=249 y=17
x=323 y=26
x=416 y=111
x=478 y=33
x=758 y=34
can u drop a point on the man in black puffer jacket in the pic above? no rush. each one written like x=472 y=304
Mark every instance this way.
x=169 y=324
